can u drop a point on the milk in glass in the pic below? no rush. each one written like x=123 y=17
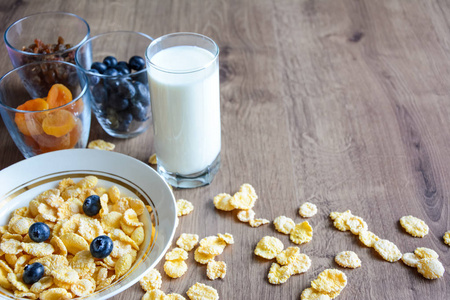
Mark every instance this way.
x=184 y=86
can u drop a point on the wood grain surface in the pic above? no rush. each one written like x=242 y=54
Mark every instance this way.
x=343 y=102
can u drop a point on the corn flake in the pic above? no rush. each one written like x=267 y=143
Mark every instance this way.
x=299 y=263
x=283 y=224
x=151 y=280
x=348 y=259
x=152 y=159
x=423 y=252
x=414 y=226
x=430 y=268
x=202 y=258
x=111 y=221
x=301 y=233
x=69 y=208
x=279 y=274
x=258 y=222
x=330 y=281
x=20 y=263
x=174 y=296
x=114 y=194
x=269 y=247
x=55 y=293
x=286 y=256
x=246 y=215
x=28 y=295
x=47 y=213
x=41 y=285
x=340 y=220
x=65 y=274
x=21 y=225
x=83 y=262
x=368 y=238
x=387 y=250
x=137 y=205
x=216 y=269
x=227 y=238
x=101 y=145
x=11 y=246
x=4 y=282
x=184 y=207
x=307 y=210
x=138 y=236
x=242 y=200
x=38 y=249
x=154 y=295
x=447 y=238
x=212 y=245
x=410 y=259
x=222 y=202
x=89 y=228
x=200 y=291
x=5 y=266
x=356 y=224
x=130 y=218
x=82 y=288
x=74 y=243
x=175 y=268
x=176 y=254
x=187 y=241
x=312 y=294
x=123 y=264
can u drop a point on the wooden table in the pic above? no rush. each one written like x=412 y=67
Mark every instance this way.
x=344 y=102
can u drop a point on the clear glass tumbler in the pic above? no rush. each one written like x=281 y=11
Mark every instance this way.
x=120 y=101
x=62 y=32
x=41 y=119
x=183 y=73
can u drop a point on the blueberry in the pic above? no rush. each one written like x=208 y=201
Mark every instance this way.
x=111 y=72
x=32 y=273
x=125 y=119
x=139 y=112
x=39 y=232
x=122 y=69
x=142 y=94
x=117 y=102
x=99 y=94
x=137 y=63
x=123 y=63
x=101 y=246
x=94 y=79
x=100 y=67
x=110 y=61
x=91 y=205
x=126 y=89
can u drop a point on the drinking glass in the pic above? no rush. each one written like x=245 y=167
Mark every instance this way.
x=66 y=30
x=39 y=121
x=120 y=102
x=183 y=74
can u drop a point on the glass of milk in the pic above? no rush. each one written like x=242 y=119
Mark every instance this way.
x=183 y=75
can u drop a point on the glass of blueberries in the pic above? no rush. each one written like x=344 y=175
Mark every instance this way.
x=117 y=75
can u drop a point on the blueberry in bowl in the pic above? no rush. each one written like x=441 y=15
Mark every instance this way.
x=118 y=81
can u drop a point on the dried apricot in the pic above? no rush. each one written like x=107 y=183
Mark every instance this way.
x=59 y=123
x=30 y=124
x=58 y=95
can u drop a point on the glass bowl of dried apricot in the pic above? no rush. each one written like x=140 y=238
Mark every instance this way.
x=46 y=117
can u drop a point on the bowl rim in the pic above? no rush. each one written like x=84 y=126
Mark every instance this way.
x=79 y=73
x=77 y=62
x=8 y=44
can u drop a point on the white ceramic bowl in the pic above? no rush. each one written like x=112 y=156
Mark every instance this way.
x=21 y=182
